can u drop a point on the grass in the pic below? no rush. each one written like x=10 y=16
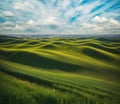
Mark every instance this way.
x=59 y=71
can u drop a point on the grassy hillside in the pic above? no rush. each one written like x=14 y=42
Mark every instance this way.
x=59 y=71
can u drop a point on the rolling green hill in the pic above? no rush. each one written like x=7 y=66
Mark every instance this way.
x=59 y=71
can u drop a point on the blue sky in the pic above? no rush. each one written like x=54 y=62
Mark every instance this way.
x=60 y=16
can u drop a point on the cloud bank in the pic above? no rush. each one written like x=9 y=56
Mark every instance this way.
x=60 y=16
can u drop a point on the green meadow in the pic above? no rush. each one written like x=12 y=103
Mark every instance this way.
x=59 y=71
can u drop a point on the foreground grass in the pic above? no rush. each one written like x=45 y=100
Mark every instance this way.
x=38 y=86
x=59 y=71
x=16 y=91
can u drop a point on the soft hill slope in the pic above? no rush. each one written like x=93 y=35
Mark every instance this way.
x=85 y=70
x=86 y=56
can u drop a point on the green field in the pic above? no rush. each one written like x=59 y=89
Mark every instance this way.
x=59 y=71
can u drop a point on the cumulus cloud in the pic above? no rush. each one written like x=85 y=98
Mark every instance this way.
x=112 y=21
x=19 y=27
x=25 y=6
x=98 y=19
x=7 y=14
x=47 y=21
x=31 y=22
x=50 y=20
x=92 y=28
x=105 y=21
x=105 y=24
x=7 y=23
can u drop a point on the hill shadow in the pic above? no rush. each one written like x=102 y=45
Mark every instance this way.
x=34 y=60
x=96 y=54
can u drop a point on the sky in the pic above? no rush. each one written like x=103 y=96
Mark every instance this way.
x=59 y=16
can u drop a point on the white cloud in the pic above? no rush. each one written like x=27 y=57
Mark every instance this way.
x=46 y=21
x=98 y=19
x=31 y=22
x=5 y=27
x=7 y=14
x=50 y=20
x=19 y=27
x=106 y=25
x=8 y=23
x=114 y=22
x=105 y=21
x=25 y=6
x=8 y=28
x=92 y=28
x=64 y=4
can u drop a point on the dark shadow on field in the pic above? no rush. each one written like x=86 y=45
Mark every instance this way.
x=49 y=46
x=109 y=39
x=34 y=60
x=4 y=39
x=27 y=77
x=33 y=43
x=11 y=40
x=101 y=56
x=96 y=54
